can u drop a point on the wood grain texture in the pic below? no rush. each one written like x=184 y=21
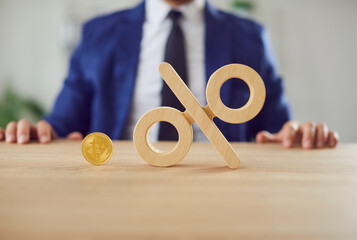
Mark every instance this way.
x=51 y=192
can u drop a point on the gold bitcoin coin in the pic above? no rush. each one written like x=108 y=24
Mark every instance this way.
x=97 y=148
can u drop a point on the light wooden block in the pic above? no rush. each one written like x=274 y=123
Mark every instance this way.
x=203 y=116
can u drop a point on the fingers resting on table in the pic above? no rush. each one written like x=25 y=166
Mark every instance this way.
x=75 y=136
x=23 y=131
x=309 y=135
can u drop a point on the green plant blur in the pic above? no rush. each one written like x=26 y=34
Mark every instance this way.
x=13 y=107
x=247 y=6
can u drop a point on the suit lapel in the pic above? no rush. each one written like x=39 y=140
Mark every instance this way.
x=218 y=51
x=218 y=40
x=129 y=35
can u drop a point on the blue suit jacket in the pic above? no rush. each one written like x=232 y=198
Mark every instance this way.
x=98 y=91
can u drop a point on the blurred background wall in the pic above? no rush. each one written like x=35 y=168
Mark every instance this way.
x=314 y=42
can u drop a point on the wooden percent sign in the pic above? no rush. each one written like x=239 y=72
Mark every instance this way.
x=203 y=116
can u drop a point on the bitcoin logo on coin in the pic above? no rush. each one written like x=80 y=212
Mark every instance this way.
x=97 y=148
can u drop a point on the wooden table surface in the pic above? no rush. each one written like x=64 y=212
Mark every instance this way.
x=51 y=192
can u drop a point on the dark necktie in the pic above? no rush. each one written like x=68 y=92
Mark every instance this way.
x=175 y=55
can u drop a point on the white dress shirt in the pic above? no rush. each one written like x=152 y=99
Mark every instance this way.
x=156 y=29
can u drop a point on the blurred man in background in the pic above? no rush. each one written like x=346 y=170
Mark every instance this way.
x=113 y=78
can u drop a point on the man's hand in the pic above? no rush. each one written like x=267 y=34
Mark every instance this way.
x=23 y=131
x=308 y=135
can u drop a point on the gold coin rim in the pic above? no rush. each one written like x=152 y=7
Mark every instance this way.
x=88 y=159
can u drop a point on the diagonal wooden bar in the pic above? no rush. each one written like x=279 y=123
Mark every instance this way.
x=199 y=115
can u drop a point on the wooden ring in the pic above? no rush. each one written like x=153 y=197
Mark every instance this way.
x=256 y=98
x=151 y=154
